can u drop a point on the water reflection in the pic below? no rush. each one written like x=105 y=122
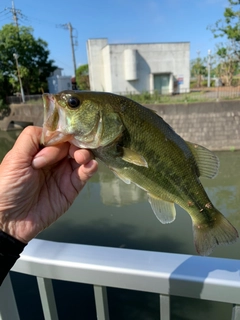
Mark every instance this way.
x=114 y=191
x=101 y=215
x=109 y=212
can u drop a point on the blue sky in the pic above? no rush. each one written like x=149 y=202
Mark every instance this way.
x=121 y=21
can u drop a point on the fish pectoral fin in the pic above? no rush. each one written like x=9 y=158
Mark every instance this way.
x=207 y=162
x=120 y=176
x=164 y=211
x=132 y=156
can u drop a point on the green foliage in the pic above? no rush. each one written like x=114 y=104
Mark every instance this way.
x=228 y=55
x=228 y=63
x=4 y=109
x=33 y=59
x=82 y=77
x=229 y=26
x=198 y=71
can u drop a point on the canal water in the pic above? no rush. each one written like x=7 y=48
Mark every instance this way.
x=110 y=213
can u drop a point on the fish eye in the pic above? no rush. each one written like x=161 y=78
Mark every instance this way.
x=73 y=102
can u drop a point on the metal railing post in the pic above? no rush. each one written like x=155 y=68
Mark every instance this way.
x=164 y=307
x=8 y=306
x=47 y=298
x=236 y=312
x=101 y=301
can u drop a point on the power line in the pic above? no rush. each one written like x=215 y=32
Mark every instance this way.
x=16 y=14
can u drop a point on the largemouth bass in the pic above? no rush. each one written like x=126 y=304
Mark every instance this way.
x=140 y=147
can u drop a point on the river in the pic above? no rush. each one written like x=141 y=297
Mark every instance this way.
x=110 y=213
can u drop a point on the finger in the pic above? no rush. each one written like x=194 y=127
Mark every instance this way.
x=50 y=155
x=87 y=170
x=28 y=140
x=84 y=173
x=81 y=156
x=25 y=147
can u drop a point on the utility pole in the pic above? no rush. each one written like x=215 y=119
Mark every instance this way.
x=209 y=68
x=15 y=14
x=15 y=55
x=73 y=44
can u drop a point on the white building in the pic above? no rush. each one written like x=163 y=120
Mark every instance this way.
x=57 y=82
x=123 y=68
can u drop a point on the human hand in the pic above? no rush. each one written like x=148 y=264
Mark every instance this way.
x=38 y=186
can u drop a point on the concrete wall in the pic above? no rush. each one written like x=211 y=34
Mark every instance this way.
x=108 y=64
x=95 y=63
x=213 y=125
x=21 y=115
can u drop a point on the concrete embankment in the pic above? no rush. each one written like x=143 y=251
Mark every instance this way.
x=213 y=125
x=21 y=115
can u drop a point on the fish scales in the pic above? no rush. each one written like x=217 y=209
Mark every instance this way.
x=157 y=156
x=140 y=147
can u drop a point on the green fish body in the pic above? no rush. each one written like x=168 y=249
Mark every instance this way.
x=140 y=147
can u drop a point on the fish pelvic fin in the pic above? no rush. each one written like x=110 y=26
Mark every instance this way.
x=132 y=156
x=164 y=211
x=208 y=236
x=207 y=162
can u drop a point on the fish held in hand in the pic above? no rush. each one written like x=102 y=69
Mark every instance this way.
x=140 y=147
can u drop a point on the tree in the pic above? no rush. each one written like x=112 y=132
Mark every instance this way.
x=198 y=70
x=82 y=77
x=228 y=53
x=33 y=59
x=229 y=26
x=227 y=64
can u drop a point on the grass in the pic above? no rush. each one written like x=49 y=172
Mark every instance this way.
x=200 y=96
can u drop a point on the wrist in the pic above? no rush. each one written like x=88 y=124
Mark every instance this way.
x=14 y=231
x=7 y=242
x=10 y=249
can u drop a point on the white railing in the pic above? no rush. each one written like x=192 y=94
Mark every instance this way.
x=161 y=273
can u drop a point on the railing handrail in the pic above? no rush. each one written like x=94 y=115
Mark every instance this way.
x=207 y=278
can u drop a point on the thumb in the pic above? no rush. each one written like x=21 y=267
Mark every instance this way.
x=25 y=147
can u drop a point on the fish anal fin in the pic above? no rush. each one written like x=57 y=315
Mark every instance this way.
x=206 y=236
x=207 y=162
x=132 y=156
x=164 y=211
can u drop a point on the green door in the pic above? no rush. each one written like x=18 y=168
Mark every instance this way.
x=161 y=83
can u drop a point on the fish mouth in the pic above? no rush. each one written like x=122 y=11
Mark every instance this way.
x=51 y=133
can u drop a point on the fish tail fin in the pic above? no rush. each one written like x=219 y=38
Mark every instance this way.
x=220 y=231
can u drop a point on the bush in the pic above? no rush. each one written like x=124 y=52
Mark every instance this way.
x=4 y=109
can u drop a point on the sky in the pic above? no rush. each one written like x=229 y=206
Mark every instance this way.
x=121 y=21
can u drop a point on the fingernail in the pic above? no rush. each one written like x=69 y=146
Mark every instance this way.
x=92 y=165
x=38 y=162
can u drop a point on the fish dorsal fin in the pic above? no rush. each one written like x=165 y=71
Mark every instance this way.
x=132 y=156
x=164 y=211
x=207 y=162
